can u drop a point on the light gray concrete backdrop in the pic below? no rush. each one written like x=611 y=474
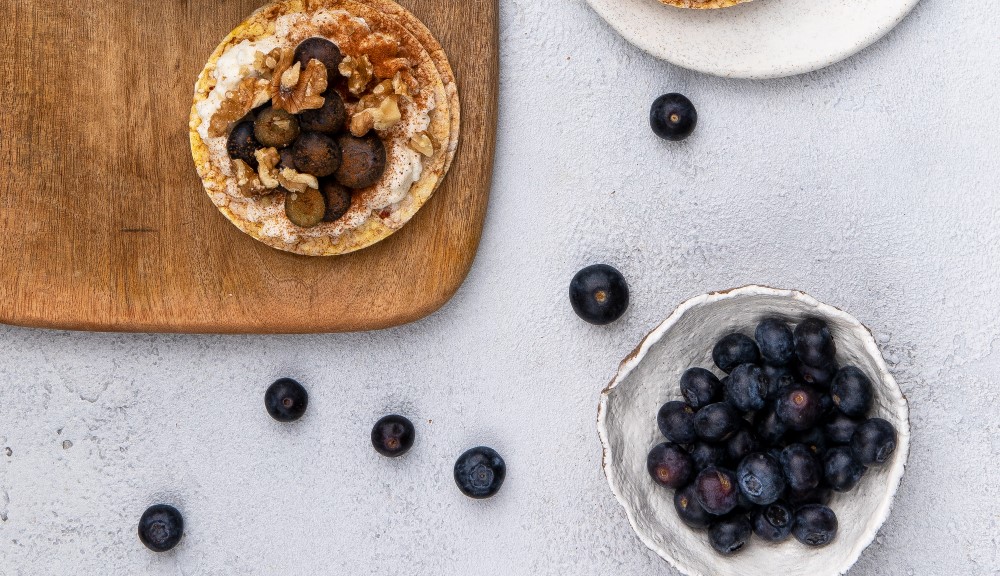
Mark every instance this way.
x=872 y=185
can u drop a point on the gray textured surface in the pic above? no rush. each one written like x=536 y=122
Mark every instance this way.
x=872 y=185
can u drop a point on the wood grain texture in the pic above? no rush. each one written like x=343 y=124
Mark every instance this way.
x=105 y=222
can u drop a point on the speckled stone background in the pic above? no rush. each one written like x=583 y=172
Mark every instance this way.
x=873 y=185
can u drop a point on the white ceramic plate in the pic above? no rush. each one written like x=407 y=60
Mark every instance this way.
x=759 y=39
x=649 y=377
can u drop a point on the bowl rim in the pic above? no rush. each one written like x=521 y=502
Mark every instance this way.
x=634 y=358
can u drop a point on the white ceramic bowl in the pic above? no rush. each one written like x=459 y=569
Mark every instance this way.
x=649 y=377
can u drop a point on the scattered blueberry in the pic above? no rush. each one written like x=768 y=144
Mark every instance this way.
x=716 y=490
x=676 y=422
x=815 y=525
x=673 y=117
x=741 y=444
x=842 y=469
x=760 y=478
x=800 y=467
x=669 y=465
x=773 y=522
x=874 y=441
x=814 y=344
x=286 y=400
x=393 y=435
x=479 y=472
x=820 y=376
x=599 y=294
x=700 y=387
x=733 y=350
x=730 y=535
x=840 y=428
x=705 y=454
x=798 y=407
x=161 y=527
x=716 y=422
x=689 y=509
x=774 y=339
x=746 y=388
x=852 y=391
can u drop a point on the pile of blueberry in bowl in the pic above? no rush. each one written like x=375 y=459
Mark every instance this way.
x=755 y=431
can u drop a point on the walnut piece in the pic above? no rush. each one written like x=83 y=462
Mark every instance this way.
x=267 y=161
x=422 y=143
x=265 y=64
x=297 y=181
x=358 y=72
x=383 y=117
x=246 y=180
x=295 y=89
x=250 y=93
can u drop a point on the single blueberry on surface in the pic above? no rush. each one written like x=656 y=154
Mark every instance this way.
x=716 y=490
x=479 y=472
x=599 y=294
x=742 y=444
x=840 y=428
x=760 y=478
x=746 y=388
x=800 y=467
x=689 y=510
x=705 y=454
x=675 y=420
x=798 y=407
x=818 y=376
x=393 y=435
x=773 y=522
x=814 y=343
x=669 y=465
x=874 y=441
x=775 y=342
x=286 y=400
x=815 y=525
x=842 y=469
x=730 y=535
x=161 y=527
x=673 y=117
x=700 y=387
x=733 y=350
x=716 y=422
x=852 y=391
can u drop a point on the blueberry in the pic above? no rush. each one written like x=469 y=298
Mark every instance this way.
x=852 y=391
x=818 y=495
x=826 y=406
x=729 y=535
x=777 y=377
x=741 y=444
x=161 y=527
x=669 y=465
x=774 y=339
x=746 y=388
x=689 y=510
x=286 y=400
x=242 y=144
x=842 y=469
x=479 y=472
x=840 y=427
x=874 y=441
x=813 y=342
x=673 y=117
x=814 y=439
x=704 y=455
x=815 y=525
x=716 y=490
x=700 y=387
x=733 y=350
x=760 y=478
x=769 y=428
x=773 y=522
x=798 y=407
x=599 y=294
x=716 y=422
x=676 y=422
x=392 y=435
x=820 y=377
x=800 y=467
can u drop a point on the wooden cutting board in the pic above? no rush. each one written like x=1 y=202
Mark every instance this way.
x=105 y=225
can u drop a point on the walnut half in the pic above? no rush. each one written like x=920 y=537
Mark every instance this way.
x=383 y=117
x=294 y=88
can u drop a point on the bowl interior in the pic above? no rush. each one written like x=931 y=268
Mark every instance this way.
x=628 y=430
